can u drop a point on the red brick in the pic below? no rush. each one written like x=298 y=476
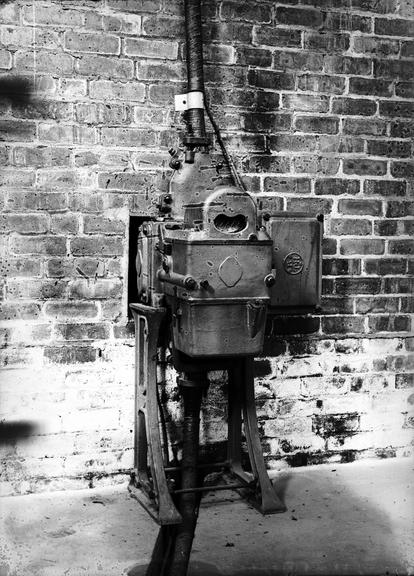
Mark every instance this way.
x=359 y=246
x=53 y=201
x=407 y=49
x=269 y=36
x=131 y=137
x=20 y=267
x=305 y=102
x=402 y=170
x=5 y=59
x=395 y=108
x=161 y=25
x=235 y=32
x=329 y=246
x=82 y=331
x=342 y=21
x=70 y=354
x=271 y=80
x=359 y=126
x=58 y=133
x=12 y=178
x=24 y=223
x=109 y=90
x=290 y=185
x=376 y=6
x=404 y=89
x=260 y=122
x=52 y=245
x=106 y=67
x=64 y=224
x=259 y=163
x=227 y=76
x=348 y=227
x=396 y=209
x=162 y=93
x=17 y=131
x=329 y=43
x=341 y=267
x=298 y=61
x=19 y=311
x=292 y=142
x=370 y=86
x=398 y=285
x=312 y=206
x=41 y=156
x=98 y=289
x=337 y=186
x=364 y=167
x=103 y=114
x=51 y=179
x=250 y=12
x=382 y=187
x=403 y=381
x=385 y=266
x=36 y=289
x=254 y=57
x=376 y=305
x=389 y=323
x=405 y=247
x=59 y=267
x=317 y=124
x=394 y=27
x=304 y=17
x=102 y=225
x=343 y=145
x=102 y=245
x=342 y=325
x=400 y=69
x=316 y=164
x=89 y=42
x=71 y=310
x=150 y=48
x=135 y=6
x=357 y=286
x=376 y=46
x=44 y=62
x=315 y=83
x=354 y=106
x=51 y=15
x=348 y=65
x=402 y=129
x=391 y=149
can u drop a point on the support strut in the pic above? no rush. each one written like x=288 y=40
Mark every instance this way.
x=171 y=554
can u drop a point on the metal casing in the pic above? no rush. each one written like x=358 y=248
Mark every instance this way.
x=297 y=262
x=220 y=328
x=232 y=268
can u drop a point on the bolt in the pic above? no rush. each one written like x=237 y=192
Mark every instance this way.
x=270 y=280
x=168 y=199
x=190 y=283
x=204 y=284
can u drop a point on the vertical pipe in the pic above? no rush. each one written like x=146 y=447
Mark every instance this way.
x=189 y=502
x=195 y=74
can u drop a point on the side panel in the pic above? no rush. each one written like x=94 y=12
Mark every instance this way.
x=297 y=261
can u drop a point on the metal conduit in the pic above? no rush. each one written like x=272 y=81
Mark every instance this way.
x=195 y=75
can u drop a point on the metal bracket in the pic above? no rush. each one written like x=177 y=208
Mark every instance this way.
x=188 y=101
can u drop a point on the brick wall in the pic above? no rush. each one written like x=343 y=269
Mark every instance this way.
x=315 y=99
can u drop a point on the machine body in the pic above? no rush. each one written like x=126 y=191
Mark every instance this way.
x=211 y=268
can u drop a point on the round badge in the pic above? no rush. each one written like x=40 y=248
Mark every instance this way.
x=293 y=263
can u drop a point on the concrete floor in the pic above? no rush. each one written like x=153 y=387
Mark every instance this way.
x=346 y=519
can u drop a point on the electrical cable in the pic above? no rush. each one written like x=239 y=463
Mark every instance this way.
x=227 y=157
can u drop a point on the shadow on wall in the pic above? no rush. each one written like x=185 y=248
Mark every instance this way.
x=16 y=90
x=12 y=432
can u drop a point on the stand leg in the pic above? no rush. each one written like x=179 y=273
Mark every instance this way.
x=148 y=448
x=241 y=398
